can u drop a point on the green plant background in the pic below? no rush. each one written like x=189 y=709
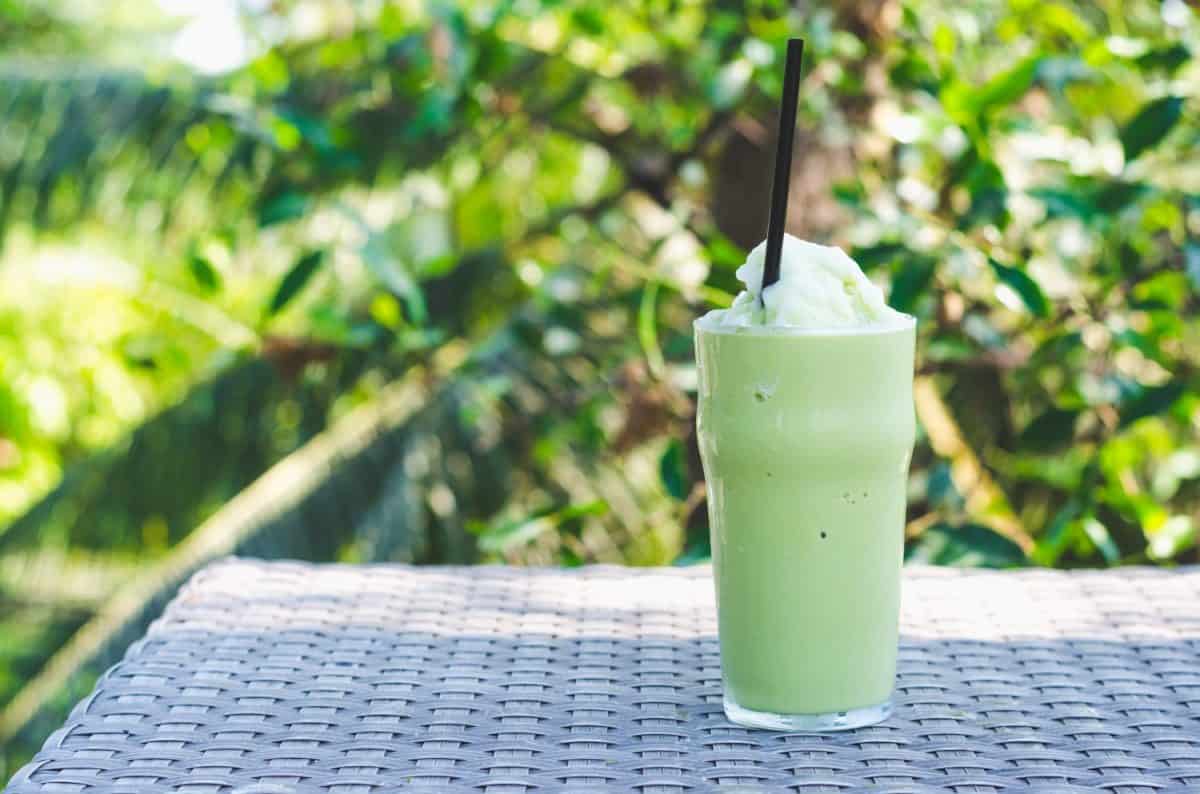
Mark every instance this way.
x=201 y=272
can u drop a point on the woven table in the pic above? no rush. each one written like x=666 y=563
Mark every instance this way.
x=285 y=677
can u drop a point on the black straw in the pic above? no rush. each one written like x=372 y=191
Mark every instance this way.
x=781 y=179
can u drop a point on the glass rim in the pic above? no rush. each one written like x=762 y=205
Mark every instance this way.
x=907 y=323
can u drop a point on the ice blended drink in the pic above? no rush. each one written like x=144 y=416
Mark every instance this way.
x=806 y=429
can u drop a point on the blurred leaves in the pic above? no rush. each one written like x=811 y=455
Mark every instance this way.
x=1035 y=168
x=1151 y=401
x=912 y=278
x=294 y=280
x=202 y=270
x=1191 y=259
x=508 y=535
x=1028 y=290
x=449 y=168
x=392 y=273
x=1172 y=536
x=1003 y=89
x=1052 y=429
x=672 y=469
x=1097 y=533
x=284 y=207
x=970 y=545
x=1168 y=58
x=1150 y=125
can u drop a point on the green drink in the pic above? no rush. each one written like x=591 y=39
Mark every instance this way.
x=806 y=437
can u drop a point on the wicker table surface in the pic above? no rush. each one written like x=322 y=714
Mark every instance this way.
x=285 y=677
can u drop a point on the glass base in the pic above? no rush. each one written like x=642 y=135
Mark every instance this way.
x=833 y=721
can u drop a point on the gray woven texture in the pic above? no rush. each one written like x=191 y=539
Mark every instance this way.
x=278 y=677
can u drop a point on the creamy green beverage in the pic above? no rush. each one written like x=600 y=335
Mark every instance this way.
x=806 y=428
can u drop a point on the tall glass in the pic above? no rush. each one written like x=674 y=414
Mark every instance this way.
x=806 y=438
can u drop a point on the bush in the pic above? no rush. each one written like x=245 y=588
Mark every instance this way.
x=391 y=180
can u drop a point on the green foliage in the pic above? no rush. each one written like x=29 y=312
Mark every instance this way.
x=1028 y=289
x=531 y=139
x=1150 y=125
x=202 y=270
x=672 y=468
x=971 y=545
x=506 y=536
x=911 y=280
x=996 y=94
x=295 y=279
x=31 y=635
x=1069 y=177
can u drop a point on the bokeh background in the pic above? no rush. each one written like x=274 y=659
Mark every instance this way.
x=430 y=268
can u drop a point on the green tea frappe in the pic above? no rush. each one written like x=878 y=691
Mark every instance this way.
x=806 y=429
